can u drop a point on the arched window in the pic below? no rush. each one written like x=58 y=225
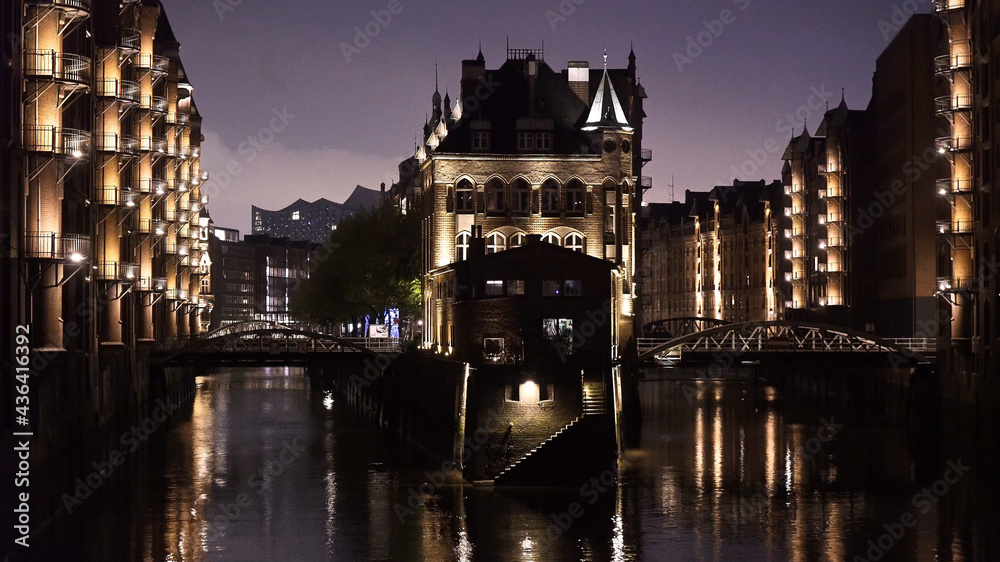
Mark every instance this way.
x=495 y=243
x=576 y=194
x=462 y=246
x=520 y=198
x=495 y=201
x=550 y=198
x=552 y=238
x=464 y=197
x=575 y=242
x=518 y=240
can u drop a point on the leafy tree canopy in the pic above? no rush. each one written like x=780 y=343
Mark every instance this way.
x=369 y=265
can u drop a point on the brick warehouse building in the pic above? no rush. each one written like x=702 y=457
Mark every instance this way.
x=531 y=151
x=555 y=156
x=104 y=244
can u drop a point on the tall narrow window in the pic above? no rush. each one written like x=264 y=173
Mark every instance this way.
x=521 y=198
x=464 y=197
x=550 y=198
x=495 y=243
x=495 y=200
x=575 y=198
x=462 y=246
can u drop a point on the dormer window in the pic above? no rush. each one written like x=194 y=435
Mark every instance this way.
x=534 y=142
x=481 y=141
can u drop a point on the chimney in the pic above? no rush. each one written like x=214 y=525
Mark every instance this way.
x=473 y=74
x=579 y=79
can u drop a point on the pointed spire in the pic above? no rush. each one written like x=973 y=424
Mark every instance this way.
x=481 y=58
x=606 y=111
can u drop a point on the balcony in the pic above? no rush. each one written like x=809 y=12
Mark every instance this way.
x=129 y=40
x=950 y=284
x=955 y=227
x=117 y=271
x=184 y=203
x=154 y=186
x=946 y=64
x=831 y=167
x=71 y=6
x=799 y=254
x=948 y=5
x=69 y=69
x=948 y=104
x=153 y=144
x=646 y=182
x=834 y=218
x=948 y=186
x=124 y=91
x=156 y=104
x=113 y=195
x=114 y=142
x=73 y=248
x=176 y=294
x=151 y=226
x=71 y=143
x=155 y=64
x=835 y=242
x=646 y=155
x=151 y=284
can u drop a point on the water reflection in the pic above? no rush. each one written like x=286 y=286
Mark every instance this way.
x=261 y=468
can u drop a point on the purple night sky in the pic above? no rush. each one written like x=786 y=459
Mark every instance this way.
x=348 y=123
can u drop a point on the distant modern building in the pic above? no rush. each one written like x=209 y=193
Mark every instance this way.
x=717 y=255
x=253 y=279
x=312 y=222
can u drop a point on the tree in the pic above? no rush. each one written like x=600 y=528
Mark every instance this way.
x=368 y=266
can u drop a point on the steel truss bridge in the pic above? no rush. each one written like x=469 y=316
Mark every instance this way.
x=761 y=340
x=270 y=343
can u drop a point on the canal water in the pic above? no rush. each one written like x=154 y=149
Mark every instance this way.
x=260 y=467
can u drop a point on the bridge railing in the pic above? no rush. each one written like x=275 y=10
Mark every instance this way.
x=382 y=345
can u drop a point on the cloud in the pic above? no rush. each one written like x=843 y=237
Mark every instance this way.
x=275 y=176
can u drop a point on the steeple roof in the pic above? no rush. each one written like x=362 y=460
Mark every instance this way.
x=606 y=111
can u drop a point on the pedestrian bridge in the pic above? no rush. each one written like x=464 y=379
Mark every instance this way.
x=270 y=343
x=758 y=340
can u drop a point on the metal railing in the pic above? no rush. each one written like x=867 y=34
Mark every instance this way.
x=57 y=140
x=113 y=195
x=71 y=4
x=153 y=103
x=946 y=104
x=54 y=246
x=955 y=226
x=950 y=186
x=944 y=64
x=129 y=40
x=948 y=5
x=123 y=90
x=64 y=67
x=154 y=63
x=115 y=142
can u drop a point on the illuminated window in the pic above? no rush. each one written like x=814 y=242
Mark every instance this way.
x=573 y=288
x=494 y=288
x=464 y=197
x=495 y=243
x=575 y=196
x=462 y=246
x=558 y=331
x=552 y=238
x=551 y=288
x=295 y=215
x=517 y=240
x=575 y=242
x=515 y=287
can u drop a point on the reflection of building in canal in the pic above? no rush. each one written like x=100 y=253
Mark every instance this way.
x=735 y=474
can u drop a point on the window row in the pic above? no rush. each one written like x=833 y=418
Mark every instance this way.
x=497 y=242
x=552 y=199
